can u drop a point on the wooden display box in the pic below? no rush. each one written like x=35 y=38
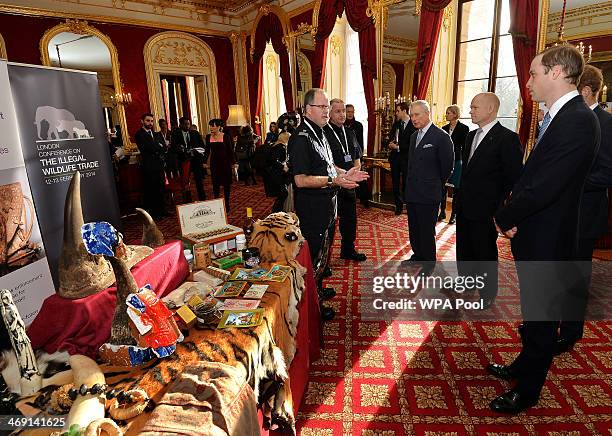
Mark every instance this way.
x=206 y=222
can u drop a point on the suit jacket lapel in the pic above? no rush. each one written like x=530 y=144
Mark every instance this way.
x=484 y=142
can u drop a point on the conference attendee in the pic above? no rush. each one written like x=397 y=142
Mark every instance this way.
x=276 y=172
x=430 y=165
x=152 y=149
x=346 y=153
x=317 y=180
x=188 y=144
x=399 y=144
x=458 y=132
x=594 y=206
x=541 y=218
x=363 y=191
x=219 y=146
x=272 y=135
x=492 y=163
x=245 y=149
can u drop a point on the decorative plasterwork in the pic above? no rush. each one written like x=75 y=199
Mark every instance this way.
x=584 y=22
x=305 y=71
x=85 y=29
x=399 y=42
x=2 y=48
x=179 y=53
x=335 y=44
x=389 y=79
x=271 y=63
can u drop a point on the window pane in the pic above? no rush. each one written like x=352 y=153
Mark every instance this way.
x=507 y=90
x=504 y=19
x=466 y=92
x=474 y=59
x=510 y=123
x=477 y=19
x=505 y=60
x=468 y=122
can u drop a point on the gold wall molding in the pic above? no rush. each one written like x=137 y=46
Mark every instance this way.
x=182 y=54
x=271 y=62
x=85 y=28
x=41 y=12
x=336 y=44
x=601 y=56
x=305 y=70
x=300 y=10
x=389 y=80
x=2 y=48
x=399 y=42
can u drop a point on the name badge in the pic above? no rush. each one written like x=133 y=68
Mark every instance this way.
x=348 y=158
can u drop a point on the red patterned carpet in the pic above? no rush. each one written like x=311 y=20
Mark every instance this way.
x=428 y=378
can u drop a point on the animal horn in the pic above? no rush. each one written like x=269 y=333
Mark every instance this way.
x=30 y=380
x=151 y=235
x=73 y=214
x=120 y=329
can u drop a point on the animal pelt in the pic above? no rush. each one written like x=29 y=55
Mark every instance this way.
x=48 y=365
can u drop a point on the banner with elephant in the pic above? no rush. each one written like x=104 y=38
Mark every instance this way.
x=23 y=264
x=61 y=127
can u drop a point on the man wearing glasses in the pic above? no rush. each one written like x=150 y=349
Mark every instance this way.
x=317 y=181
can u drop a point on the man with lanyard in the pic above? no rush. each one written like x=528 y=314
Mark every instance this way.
x=317 y=180
x=346 y=153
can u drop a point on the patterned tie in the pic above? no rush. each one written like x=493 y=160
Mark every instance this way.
x=475 y=143
x=543 y=127
x=419 y=137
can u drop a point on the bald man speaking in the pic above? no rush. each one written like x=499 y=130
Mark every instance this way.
x=492 y=159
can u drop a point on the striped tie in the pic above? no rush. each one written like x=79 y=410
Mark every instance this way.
x=543 y=128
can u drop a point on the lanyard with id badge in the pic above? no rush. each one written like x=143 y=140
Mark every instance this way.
x=324 y=151
x=345 y=150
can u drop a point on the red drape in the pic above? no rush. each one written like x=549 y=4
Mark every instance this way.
x=429 y=29
x=258 y=129
x=524 y=31
x=367 y=52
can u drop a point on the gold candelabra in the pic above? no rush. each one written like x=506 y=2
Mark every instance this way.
x=385 y=116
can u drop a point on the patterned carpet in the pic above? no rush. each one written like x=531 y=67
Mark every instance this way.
x=428 y=378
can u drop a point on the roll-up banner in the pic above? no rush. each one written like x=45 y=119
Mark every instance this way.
x=61 y=125
x=23 y=264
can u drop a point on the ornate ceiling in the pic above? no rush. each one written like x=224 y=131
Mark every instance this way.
x=202 y=5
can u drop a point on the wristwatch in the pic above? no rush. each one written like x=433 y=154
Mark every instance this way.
x=330 y=181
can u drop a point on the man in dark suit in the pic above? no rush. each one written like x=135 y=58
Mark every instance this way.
x=346 y=153
x=541 y=217
x=430 y=165
x=188 y=144
x=492 y=163
x=399 y=143
x=363 y=191
x=152 y=149
x=594 y=206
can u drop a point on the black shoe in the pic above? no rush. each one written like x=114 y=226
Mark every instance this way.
x=327 y=272
x=442 y=217
x=512 y=402
x=327 y=293
x=327 y=313
x=563 y=345
x=398 y=210
x=501 y=371
x=357 y=257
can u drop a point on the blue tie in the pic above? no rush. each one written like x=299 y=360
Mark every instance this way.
x=543 y=128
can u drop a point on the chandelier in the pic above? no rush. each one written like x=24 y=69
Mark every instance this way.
x=124 y=98
x=561 y=40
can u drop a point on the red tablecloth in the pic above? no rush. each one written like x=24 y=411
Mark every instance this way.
x=81 y=326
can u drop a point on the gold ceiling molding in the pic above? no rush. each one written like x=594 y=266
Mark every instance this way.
x=601 y=56
x=71 y=25
x=2 y=48
x=40 y=12
x=265 y=10
x=300 y=10
x=399 y=42
x=582 y=12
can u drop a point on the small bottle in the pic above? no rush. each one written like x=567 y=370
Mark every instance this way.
x=240 y=242
x=248 y=228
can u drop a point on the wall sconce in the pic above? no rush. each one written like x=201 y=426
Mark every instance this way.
x=124 y=98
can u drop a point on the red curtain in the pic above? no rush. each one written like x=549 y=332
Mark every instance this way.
x=258 y=129
x=524 y=31
x=367 y=52
x=429 y=29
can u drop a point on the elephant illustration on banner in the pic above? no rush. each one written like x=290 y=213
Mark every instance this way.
x=59 y=120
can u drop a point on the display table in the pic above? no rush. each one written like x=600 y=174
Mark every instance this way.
x=81 y=326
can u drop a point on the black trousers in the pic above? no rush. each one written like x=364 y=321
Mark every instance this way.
x=226 y=192
x=364 y=192
x=153 y=195
x=422 y=220
x=317 y=214
x=347 y=214
x=572 y=331
x=477 y=252
x=198 y=174
x=398 y=180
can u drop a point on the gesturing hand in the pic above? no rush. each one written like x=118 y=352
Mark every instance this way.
x=356 y=175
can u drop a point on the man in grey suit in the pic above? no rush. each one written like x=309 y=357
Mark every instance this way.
x=429 y=166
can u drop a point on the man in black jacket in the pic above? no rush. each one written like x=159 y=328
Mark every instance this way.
x=188 y=144
x=346 y=153
x=492 y=162
x=363 y=191
x=399 y=143
x=430 y=165
x=152 y=149
x=541 y=217
x=594 y=206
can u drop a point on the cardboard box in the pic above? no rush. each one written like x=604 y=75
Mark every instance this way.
x=206 y=222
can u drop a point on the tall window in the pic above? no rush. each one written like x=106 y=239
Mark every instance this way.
x=485 y=58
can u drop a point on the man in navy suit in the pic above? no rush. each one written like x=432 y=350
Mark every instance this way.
x=399 y=143
x=429 y=167
x=541 y=217
x=594 y=206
